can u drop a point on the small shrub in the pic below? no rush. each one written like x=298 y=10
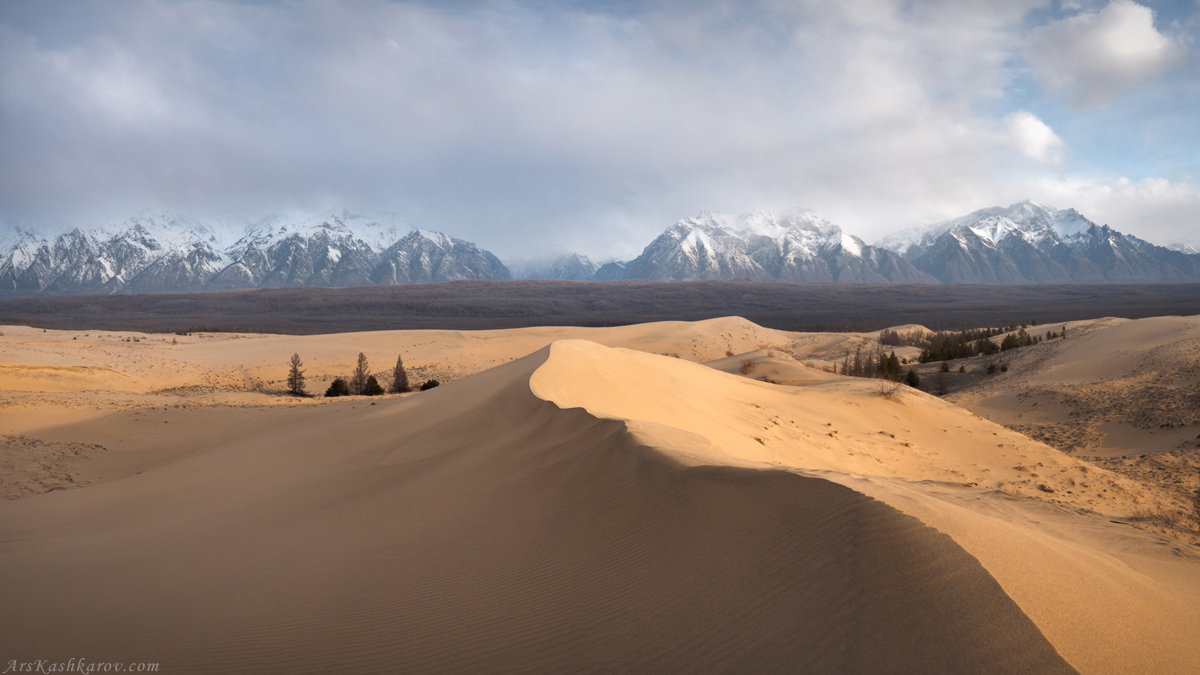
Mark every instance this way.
x=991 y=369
x=962 y=369
x=372 y=387
x=747 y=366
x=945 y=367
x=338 y=388
x=429 y=384
x=1004 y=367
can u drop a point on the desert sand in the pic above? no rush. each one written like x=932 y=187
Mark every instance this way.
x=573 y=499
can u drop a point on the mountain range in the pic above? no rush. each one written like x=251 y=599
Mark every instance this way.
x=1031 y=243
x=1026 y=243
x=154 y=253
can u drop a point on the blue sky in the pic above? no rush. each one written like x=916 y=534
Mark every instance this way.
x=536 y=127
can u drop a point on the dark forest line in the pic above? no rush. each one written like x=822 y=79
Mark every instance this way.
x=474 y=305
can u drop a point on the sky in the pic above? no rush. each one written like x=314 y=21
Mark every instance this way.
x=534 y=128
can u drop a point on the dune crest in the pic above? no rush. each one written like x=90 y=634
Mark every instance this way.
x=927 y=458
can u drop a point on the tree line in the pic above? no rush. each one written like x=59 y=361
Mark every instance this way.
x=360 y=383
x=968 y=343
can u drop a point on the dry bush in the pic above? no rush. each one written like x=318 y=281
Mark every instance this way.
x=1144 y=514
x=890 y=388
x=747 y=366
x=771 y=353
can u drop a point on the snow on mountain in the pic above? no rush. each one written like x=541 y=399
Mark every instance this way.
x=794 y=246
x=421 y=256
x=153 y=251
x=165 y=252
x=1029 y=242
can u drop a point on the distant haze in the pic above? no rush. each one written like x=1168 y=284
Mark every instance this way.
x=537 y=128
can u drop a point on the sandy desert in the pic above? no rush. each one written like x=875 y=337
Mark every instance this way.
x=663 y=497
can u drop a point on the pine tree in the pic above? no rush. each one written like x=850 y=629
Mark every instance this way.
x=295 y=378
x=399 y=377
x=358 y=381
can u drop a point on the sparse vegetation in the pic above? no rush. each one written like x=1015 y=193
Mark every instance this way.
x=429 y=384
x=746 y=367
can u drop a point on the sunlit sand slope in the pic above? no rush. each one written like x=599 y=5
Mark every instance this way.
x=510 y=521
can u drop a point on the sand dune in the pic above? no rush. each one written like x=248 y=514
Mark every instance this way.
x=580 y=508
x=532 y=538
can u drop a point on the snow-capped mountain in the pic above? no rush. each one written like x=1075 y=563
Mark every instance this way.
x=421 y=257
x=794 y=246
x=1030 y=242
x=161 y=252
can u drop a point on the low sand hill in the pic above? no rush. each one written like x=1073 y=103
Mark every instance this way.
x=1125 y=394
x=593 y=508
x=70 y=362
x=1113 y=387
x=770 y=365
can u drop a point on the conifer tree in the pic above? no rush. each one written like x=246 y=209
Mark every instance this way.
x=295 y=378
x=400 y=377
x=358 y=380
x=913 y=379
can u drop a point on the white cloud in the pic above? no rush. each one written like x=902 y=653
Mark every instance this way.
x=524 y=124
x=1156 y=209
x=1091 y=58
x=1033 y=138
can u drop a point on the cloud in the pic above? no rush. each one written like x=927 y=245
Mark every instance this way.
x=1033 y=138
x=1091 y=58
x=528 y=127
x=1157 y=209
